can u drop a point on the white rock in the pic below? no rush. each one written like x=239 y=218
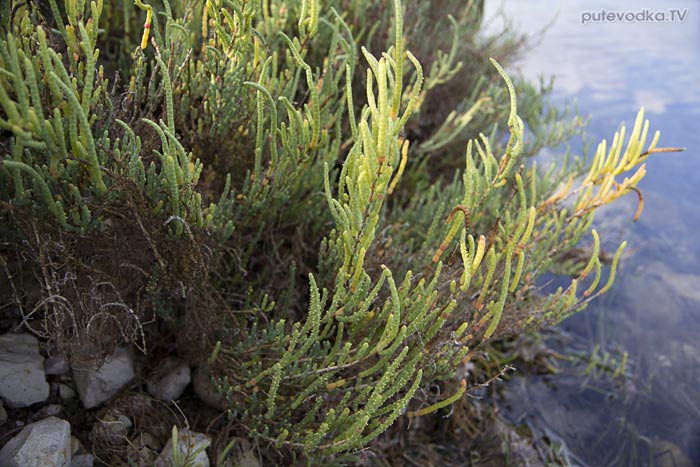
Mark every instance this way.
x=119 y=425
x=65 y=392
x=113 y=428
x=191 y=447
x=248 y=459
x=56 y=365
x=41 y=444
x=75 y=446
x=98 y=386
x=170 y=380
x=50 y=410
x=205 y=390
x=83 y=460
x=241 y=455
x=141 y=455
x=22 y=379
x=143 y=450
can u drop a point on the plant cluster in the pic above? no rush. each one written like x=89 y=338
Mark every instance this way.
x=323 y=229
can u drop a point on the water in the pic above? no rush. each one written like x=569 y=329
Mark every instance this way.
x=653 y=312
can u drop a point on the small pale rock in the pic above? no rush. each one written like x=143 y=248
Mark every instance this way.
x=147 y=439
x=56 y=365
x=144 y=449
x=248 y=459
x=190 y=445
x=22 y=379
x=65 y=392
x=75 y=445
x=241 y=455
x=170 y=380
x=141 y=455
x=670 y=455
x=83 y=460
x=98 y=386
x=113 y=428
x=51 y=410
x=41 y=444
x=121 y=425
x=206 y=392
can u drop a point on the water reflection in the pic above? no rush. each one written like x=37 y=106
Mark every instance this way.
x=612 y=69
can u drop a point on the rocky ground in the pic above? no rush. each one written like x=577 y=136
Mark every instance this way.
x=155 y=410
x=118 y=413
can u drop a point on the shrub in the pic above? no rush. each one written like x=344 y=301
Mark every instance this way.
x=245 y=149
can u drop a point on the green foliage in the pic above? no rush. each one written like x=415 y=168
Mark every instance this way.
x=262 y=136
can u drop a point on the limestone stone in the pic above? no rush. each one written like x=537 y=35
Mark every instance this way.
x=96 y=386
x=41 y=444
x=22 y=379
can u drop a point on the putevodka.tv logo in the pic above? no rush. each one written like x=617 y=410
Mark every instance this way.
x=639 y=16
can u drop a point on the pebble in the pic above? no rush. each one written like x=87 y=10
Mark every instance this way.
x=170 y=380
x=206 y=392
x=22 y=379
x=56 y=365
x=75 y=446
x=113 y=428
x=41 y=444
x=143 y=450
x=65 y=392
x=83 y=460
x=242 y=455
x=50 y=410
x=101 y=384
x=190 y=445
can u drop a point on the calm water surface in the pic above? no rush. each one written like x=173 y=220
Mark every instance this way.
x=653 y=312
